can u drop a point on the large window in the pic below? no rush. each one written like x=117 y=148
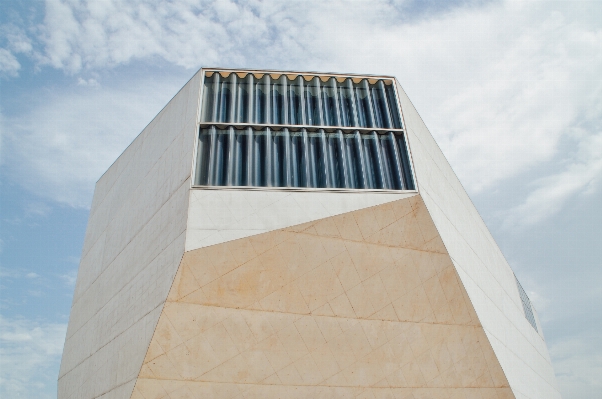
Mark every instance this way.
x=299 y=100
x=276 y=130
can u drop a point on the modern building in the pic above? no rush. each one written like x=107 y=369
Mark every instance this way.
x=294 y=235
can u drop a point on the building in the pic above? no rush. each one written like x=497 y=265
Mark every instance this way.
x=294 y=235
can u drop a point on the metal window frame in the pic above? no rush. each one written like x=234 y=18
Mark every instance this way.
x=346 y=129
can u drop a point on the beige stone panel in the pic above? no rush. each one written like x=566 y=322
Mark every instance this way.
x=272 y=380
x=310 y=333
x=442 y=358
x=366 y=222
x=293 y=342
x=384 y=215
x=154 y=350
x=438 y=301
x=325 y=361
x=151 y=389
x=325 y=310
x=361 y=256
x=344 y=268
x=198 y=390
x=386 y=313
x=313 y=248
x=375 y=333
x=162 y=366
x=136 y=395
x=264 y=242
x=360 y=301
x=184 y=392
x=202 y=263
x=414 y=306
x=329 y=311
x=288 y=299
x=320 y=286
x=413 y=375
x=166 y=335
x=249 y=283
x=327 y=228
x=341 y=306
x=435 y=245
x=275 y=352
x=290 y=376
x=181 y=319
x=333 y=246
x=347 y=227
x=308 y=370
x=240 y=333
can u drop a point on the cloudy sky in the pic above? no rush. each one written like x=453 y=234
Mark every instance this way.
x=512 y=92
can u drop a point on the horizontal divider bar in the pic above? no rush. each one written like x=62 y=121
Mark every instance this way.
x=305 y=189
x=295 y=128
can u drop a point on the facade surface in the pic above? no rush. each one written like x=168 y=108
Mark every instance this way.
x=280 y=235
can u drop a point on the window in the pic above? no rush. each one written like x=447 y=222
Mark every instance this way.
x=272 y=130
x=527 y=307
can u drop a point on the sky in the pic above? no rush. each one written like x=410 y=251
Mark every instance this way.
x=511 y=91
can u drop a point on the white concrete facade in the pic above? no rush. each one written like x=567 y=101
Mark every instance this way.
x=216 y=216
x=486 y=275
x=134 y=242
x=146 y=213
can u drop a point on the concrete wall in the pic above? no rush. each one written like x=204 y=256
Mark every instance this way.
x=133 y=246
x=217 y=216
x=486 y=275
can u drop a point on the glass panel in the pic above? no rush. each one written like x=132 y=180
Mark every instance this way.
x=282 y=158
x=254 y=156
x=393 y=107
x=527 y=307
x=315 y=102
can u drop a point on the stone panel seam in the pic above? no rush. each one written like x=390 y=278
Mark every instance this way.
x=134 y=236
x=509 y=349
x=333 y=317
x=479 y=258
x=116 y=210
x=113 y=339
x=67 y=372
x=162 y=305
x=481 y=224
x=323 y=385
x=114 y=388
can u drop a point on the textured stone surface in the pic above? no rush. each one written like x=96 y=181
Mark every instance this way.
x=364 y=304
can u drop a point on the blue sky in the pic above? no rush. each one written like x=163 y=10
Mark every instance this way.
x=512 y=92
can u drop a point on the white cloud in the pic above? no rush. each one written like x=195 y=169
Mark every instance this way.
x=32 y=275
x=88 y=82
x=70 y=277
x=36 y=209
x=9 y=63
x=63 y=144
x=580 y=176
x=16 y=38
x=500 y=85
x=29 y=357
x=578 y=365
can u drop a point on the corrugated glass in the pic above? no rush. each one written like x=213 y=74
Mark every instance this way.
x=266 y=157
x=299 y=100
